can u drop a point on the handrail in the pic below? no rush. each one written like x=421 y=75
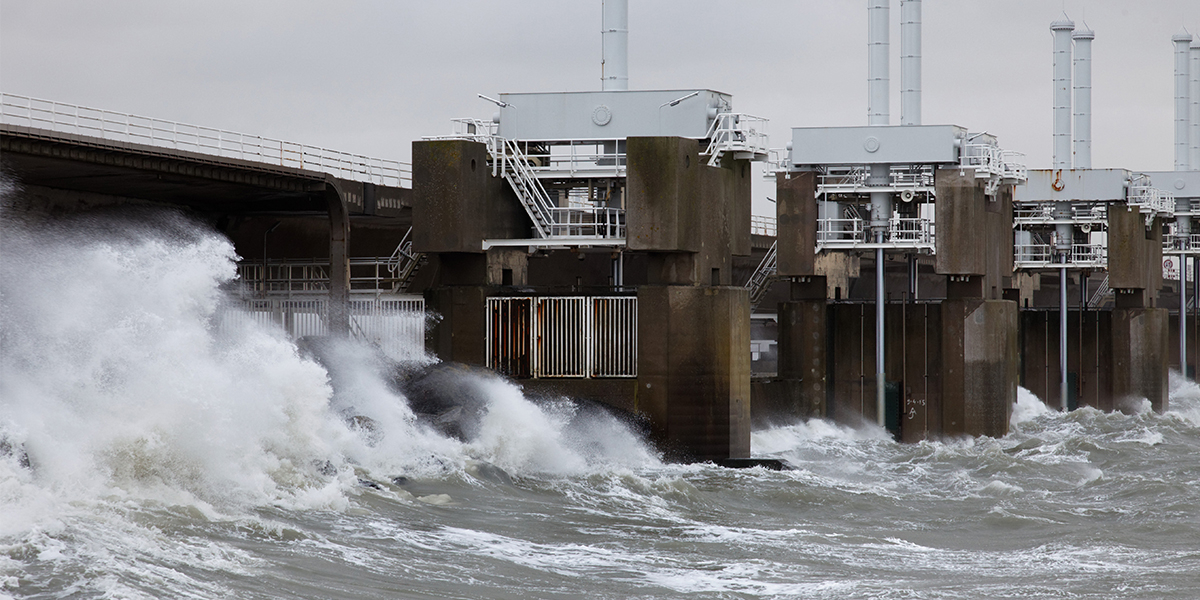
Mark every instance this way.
x=764 y=274
x=763 y=225
x=735 y=132
x=123 y=127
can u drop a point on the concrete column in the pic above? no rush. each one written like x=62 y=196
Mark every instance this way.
x=1140 y=348
x=460 y=333
x=339 y=262
x=694 y=370
x=980 y=366
x=796 y=216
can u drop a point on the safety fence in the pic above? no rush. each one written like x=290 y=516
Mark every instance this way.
x=575 y=336
x=395 y=324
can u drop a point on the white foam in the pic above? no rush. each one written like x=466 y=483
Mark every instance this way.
x=1028 y=407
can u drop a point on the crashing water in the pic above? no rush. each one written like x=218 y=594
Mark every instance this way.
x=167 y=458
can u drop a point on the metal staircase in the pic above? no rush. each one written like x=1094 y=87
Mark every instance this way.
x=404 y=263
x=515 y=169
x=762 y=278
x=1103 y=292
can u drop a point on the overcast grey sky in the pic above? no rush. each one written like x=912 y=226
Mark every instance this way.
x=370 y=76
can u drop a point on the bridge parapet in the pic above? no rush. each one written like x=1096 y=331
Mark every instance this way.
x=116 y=126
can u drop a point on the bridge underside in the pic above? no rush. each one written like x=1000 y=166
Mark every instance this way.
x=307 y=214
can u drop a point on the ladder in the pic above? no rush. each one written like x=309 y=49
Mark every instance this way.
x=763 y=276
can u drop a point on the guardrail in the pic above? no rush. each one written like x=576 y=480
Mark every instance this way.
x=123 y=127
x=763 y=225
x=1044 y=255
x=902 y=232
x=292 y=276
x=736 y=132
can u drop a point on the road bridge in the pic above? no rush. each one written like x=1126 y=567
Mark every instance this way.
x=309 y=202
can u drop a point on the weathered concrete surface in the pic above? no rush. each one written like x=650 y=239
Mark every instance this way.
x=458 y=335
x=456 y=201
x=979 y=401
x=796 y=223
x=695 y=217
x=1134 y=256
x=1139 y=351
x=663 y=184
x=961 y=237
x=617 y=393
x=802 y=360
x=974 y=234
x=507 y=266
x=694 y=370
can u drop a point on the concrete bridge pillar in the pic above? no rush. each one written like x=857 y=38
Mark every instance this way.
x=693 y=327
x=1140 y=334
x=457 y=204
x=339 y=260
x=980 y=364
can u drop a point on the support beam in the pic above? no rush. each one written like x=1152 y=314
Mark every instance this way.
x=1063 y=389
x=880 y=376
x=339 y=261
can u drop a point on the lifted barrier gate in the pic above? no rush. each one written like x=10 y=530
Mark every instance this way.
x=575 y=336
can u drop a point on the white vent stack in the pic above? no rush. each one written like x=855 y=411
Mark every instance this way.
x=1183 y=42
x=1194 y=113
x=614 y=41
x=1062 y=92
x=1083 y=97
x=910 y=62
x=877 y=62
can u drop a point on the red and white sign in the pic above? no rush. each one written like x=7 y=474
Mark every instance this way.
x=1171 y=268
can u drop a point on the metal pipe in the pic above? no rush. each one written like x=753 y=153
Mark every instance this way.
x=910 y=62
x=1062 y=92
x=1182 y=43
x=1194 y=112
x=1083 y=97
x=877 y=62
x=1183 y=314
x=881 y=202
x=880 y=378
x=1062 y=337
x=614 y=42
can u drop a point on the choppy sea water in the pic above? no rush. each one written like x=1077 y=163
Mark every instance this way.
x=152 y=456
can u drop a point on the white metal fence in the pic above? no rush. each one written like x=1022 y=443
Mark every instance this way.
x=122 y=127
x=578 y=336
x=762 y=225
x=396 y=324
